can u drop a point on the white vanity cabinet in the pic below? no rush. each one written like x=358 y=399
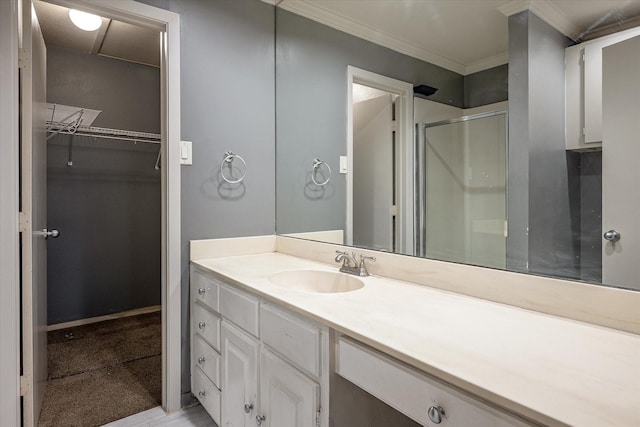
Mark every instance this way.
x=205 y=342
x=415 y=394
x=272 y=365
x=583 y=90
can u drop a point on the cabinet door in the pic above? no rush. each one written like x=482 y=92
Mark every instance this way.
x=239 y=377
x=288 y=398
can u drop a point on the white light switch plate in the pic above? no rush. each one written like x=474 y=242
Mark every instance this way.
x=343 y=164
x=186 y=153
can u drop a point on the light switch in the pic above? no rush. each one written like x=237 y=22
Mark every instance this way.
x=343 y=164
x=186 y=154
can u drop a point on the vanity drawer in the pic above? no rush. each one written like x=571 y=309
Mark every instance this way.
x=206 y=358
x=412 y=392
x=207 y=393
x=206 y=324
x=205 y=289
x=239 y=308
x=295 y=339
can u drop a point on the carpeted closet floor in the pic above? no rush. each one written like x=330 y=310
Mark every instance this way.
x=102 y=372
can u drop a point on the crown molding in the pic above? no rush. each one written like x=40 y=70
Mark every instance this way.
x=546 y=11
x=485 y=64
x=323 y=16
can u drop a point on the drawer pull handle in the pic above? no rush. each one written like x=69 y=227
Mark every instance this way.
x=201 y=291
x=436 y=414
x=248 y=407
x=201 y=325
x=201 y=360
x=202 y=393
x=260 y=419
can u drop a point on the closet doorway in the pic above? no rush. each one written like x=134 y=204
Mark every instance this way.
x=105 y=195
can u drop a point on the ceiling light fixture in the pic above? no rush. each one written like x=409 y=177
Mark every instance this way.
x=85 y=21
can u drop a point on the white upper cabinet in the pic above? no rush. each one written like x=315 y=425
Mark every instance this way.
x=583 y=90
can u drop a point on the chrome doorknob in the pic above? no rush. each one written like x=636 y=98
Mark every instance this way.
x=248 y=407
x=201 y=360
x=436 y=414
x=260 y=419
x=612 y=236
x=48 y=233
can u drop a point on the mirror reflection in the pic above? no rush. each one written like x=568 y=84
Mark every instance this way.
x=490 y=133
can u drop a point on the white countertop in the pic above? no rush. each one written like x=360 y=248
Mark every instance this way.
x=554 y=370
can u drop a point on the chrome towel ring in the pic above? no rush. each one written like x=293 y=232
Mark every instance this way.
x=229 y=157
x=317 y=163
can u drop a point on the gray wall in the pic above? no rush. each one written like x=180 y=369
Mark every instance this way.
x=486 y=86
x=311 y=98
x=585 y=183
x=107 y=205
x=541 y=236
x=228 y=102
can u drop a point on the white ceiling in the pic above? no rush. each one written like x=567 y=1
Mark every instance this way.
x=464 y=36
x=114 y=38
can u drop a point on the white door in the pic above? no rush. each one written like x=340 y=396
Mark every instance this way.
x=373 y=171
x=288 y=398
x=33 y=218
x=239 y=378
x=620 y=171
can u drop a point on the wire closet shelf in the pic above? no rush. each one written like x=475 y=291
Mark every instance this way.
x=78 y=122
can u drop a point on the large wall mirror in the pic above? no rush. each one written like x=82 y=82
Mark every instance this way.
x=496 y=133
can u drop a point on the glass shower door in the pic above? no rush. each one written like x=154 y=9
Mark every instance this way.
x=460 y=186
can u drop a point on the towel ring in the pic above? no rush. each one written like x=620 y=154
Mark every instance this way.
x=316 y=165
x=229 y=157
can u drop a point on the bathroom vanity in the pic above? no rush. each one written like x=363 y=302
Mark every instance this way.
x=268 y=328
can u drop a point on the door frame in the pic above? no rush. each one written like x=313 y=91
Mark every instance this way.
x=136 y=13
x=9 y=194
x=404 y=132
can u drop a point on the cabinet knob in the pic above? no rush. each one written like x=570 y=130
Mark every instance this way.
x=201 y=360
x=612 y=236
x=248 y=407
x=260 y=419
x=201 y=325
x=202 y=393
x=436 y=414
x=202 y=291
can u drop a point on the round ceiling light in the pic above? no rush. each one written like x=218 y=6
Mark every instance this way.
x=85 y=21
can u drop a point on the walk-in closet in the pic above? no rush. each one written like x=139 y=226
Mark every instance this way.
x=104 y=199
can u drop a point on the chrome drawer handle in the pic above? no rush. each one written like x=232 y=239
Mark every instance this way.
x=201 y=325
x=201 y=360
x=436 y=414
x=248 y=407
x=201 y=291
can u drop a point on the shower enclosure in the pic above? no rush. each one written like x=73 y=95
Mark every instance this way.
x=460 y=189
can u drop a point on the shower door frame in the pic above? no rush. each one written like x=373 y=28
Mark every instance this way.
x=420 y=163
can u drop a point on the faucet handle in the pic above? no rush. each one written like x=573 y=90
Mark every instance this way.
x=364 y=257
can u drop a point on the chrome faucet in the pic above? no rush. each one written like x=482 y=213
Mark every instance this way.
x=359 y=269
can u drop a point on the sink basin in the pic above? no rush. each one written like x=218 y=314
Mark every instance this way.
x=325 y=282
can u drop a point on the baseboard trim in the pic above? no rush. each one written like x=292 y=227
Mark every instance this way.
x=97 y=319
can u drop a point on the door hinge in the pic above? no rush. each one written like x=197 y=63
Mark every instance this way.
x=24 y=58
x=23 y=222
x=394 y=210
x=318 y=418
x=25 y=386
x=394 y=126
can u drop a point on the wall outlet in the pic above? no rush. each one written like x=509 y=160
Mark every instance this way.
x=186 y=153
